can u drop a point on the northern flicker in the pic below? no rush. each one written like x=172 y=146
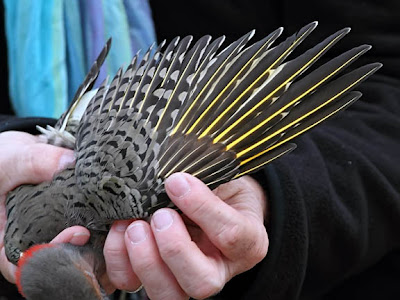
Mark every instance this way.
x=217 y=115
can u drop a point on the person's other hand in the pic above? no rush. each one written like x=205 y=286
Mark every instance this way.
x=219 y=235
x=24 y=160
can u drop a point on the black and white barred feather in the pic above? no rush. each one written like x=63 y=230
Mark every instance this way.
x=216 y=115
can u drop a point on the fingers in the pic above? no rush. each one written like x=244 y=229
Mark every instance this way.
x=173 y=263
x=147 y=263
x=235 y=191
x=17 y=137
x=76 y=235
x=164 y=258
x=31 y=163
x=231 y=231
x=7 y=268
x=118 y=265
x=200 y=276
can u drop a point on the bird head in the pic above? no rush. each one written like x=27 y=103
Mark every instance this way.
x=58 y=271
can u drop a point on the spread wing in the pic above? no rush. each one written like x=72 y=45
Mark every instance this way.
x=216 y=114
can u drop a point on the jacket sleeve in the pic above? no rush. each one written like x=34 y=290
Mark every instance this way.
x=335 y=201
x=24 y=124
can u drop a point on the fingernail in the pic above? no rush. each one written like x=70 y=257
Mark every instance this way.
x=162 y=220
x=79 y=238
x=81 y=233
x=136 y=233
x=121 y=227
x=177 y=185
x=66 y=160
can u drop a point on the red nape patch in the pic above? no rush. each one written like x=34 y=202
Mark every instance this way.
x=22 y=261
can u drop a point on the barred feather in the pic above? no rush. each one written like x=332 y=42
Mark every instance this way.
x=215 y=115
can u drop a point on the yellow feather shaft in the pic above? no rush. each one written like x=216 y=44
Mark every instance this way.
x=219 y=96
x=284 y=141
x=261 y=164
x=251 y=131
x=173 y=169
x=199 y=95
x=305 y=129
x=251 y=86
x=195 y=162
x=222 y=134
x=241 y=153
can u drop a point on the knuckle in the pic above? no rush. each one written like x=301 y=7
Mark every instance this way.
x=258 y=245
x=169 y=295
x=112 y=251
x=243 y=243
x=230 y=235
x=172 y=249
x=198 y=207
x=145 y=264
x=119 y=270
x=122 y=280
x=116 y=264
x=206 y=287
x=6 y=183
x=31 y=165
x=35 y=155
x=256 y=249
x=261 y=251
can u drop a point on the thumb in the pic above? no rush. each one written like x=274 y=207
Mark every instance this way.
x=76 y=235
x=31 y=164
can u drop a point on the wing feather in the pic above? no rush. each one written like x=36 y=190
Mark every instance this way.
x=217 y=115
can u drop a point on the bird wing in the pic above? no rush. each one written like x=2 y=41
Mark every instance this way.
x=216 y=114
x=63 y=133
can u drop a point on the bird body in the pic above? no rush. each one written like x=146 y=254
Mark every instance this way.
x=217 y=115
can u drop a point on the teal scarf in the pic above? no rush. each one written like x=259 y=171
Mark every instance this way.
x=52 y=44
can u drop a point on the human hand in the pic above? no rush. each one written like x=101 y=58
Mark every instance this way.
x=24 y=160
x=219 y=235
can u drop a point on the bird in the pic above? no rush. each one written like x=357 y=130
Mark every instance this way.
x=217 y=113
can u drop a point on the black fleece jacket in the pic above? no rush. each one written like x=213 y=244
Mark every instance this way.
x=334 y=223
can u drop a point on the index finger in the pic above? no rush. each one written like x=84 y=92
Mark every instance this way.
x=7 y=268
x=228 y=229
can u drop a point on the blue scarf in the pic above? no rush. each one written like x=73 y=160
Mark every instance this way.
x=53 y=43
